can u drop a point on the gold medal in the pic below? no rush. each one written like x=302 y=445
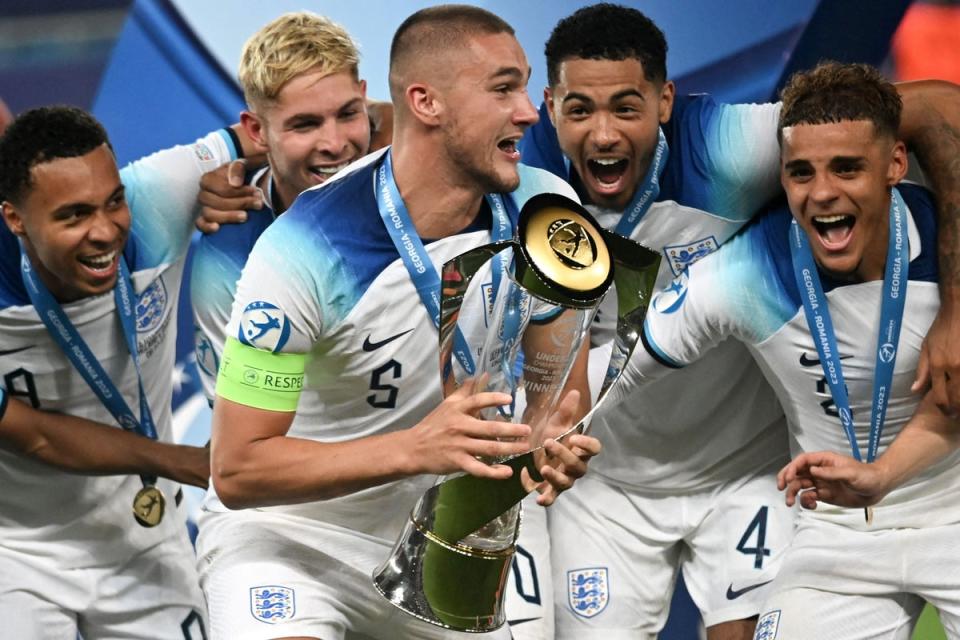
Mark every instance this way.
x=148 y=506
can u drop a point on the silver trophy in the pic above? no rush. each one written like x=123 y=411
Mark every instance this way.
x=451 y=561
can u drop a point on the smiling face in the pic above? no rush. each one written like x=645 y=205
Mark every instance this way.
x=607 y=115
x=74 y=223
x=316 y=126
x=487 y=109
x=837 y=177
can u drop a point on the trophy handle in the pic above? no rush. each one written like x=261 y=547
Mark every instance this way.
x=455 y=279
x=634 y=276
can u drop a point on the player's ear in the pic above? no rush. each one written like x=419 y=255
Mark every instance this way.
x=665 y=106
x=12 y=218
x=898 y=163
x=424 y=103
x=548 y=99
x=253 y=126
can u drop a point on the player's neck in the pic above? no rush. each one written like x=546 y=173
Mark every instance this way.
x=61 y=291
x=438 y=202
x=277 y=199
x=874 y=261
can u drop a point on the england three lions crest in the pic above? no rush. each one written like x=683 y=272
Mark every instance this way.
x=588 y=591
x=681 y=256
x=768 y=626
x=151 y=306
x=272 y=603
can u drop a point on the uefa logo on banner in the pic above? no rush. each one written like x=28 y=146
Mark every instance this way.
x=272 y=603
x=588 y=591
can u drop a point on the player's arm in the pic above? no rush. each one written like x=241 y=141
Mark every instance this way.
x=85 y=447
x=685 y=319
x=224 y=196
x=825 y=476
x=256 y=463
x=162 y=191
x=930 y=125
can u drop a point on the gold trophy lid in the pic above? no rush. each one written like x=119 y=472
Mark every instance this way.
x=563 y=244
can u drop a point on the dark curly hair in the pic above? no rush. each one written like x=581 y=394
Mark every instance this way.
x=41 y=135
x=833 y=92
x=608 y=32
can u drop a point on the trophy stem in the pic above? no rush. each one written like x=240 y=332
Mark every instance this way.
x=442 y=573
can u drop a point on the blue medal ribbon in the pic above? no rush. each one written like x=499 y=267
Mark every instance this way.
x=648 y=190
x=820 y=324
x=424 y=275
x=65 y=334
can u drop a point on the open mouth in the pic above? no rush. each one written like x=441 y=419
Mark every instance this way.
x=834 y=231
x=509 y=146
x=607 y=171
x=100 y=263
x=324 y=172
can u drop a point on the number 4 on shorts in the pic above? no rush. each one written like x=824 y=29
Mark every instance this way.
x=758 y=524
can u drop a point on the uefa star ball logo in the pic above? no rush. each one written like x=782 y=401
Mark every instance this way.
x=887 y=353
x=264 y=326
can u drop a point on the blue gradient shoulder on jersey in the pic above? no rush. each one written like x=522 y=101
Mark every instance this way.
x=159 y=233
x=695 y=132
x=12 y=291
x=925 y=267
x=753 y=271
x=218 y=260
x=337 y=233
x=540 y=147
x=156 y=237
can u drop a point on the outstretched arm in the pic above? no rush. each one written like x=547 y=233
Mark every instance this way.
x=85 y=447
x=825 y=476
x=930 y=126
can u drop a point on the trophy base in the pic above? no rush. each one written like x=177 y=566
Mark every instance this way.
x=453 y=587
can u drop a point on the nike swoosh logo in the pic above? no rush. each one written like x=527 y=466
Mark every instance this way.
x=814 y=362
x=514 y=623
x=373 y=346
x=9 y=351
x=733 y=595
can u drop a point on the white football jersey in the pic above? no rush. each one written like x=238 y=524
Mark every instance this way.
x=326 y=280
x=718 y=419
x=747 y=290
x=88 y=519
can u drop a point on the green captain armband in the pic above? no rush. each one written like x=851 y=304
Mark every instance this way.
x=260 y=379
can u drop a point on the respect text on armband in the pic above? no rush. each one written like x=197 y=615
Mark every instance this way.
x=260 y=379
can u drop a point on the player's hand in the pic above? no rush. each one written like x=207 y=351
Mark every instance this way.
x=452 y=437
x=939 y=366
x=224 y=198
x=194 y=466
x=825 y=476
x=562 y=462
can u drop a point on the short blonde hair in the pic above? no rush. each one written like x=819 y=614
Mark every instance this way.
x=291 y=45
